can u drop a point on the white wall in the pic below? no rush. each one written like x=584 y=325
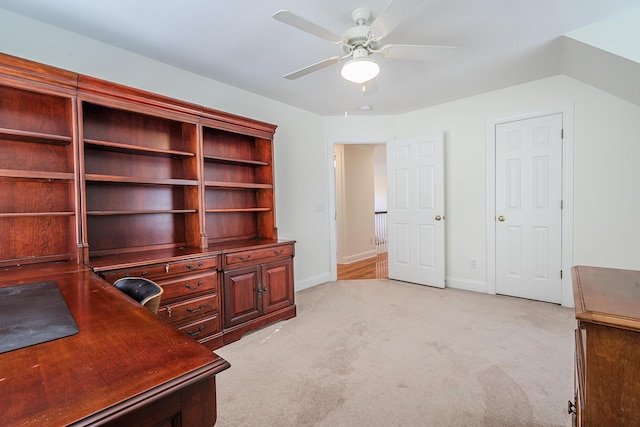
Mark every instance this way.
x=358 y=209
x=606 y=174
x=380 y=177
x=606 y=151
x=300 y=173
x=355 y=202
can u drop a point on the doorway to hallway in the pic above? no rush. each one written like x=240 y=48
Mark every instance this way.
x=361 y=197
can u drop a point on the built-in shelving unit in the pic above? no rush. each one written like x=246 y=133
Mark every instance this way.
x=238 y=180
x=132 y=183
x=141 y=180
x=37 y=177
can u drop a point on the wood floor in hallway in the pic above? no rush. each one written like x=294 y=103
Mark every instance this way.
x=370 y=268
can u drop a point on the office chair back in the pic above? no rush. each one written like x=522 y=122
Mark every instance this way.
x=145 y=291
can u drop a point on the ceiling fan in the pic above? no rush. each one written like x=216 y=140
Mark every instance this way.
x=363 y=40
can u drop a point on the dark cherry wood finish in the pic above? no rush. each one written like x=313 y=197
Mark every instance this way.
x=258 y=287
x=607 y=346
x=191 y=301
x=134 y=183
x=141 y=179
x=39 y=215
x=163 y=175
x=124 y=367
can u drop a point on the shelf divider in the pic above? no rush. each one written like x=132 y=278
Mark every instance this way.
x=13 y=173
x=237 y=185
x=37 y=137
x=135 y=149
x=141 y=212
x=139 y=180
x=26 y=214
x=222 y=210
x=230 y=161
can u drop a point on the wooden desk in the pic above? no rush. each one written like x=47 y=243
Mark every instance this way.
x=607 y=346
x=124 y=367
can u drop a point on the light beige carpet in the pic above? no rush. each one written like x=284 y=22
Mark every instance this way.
x=387 y=353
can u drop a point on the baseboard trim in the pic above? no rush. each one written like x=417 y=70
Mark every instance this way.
x=310 y=282
x=467 y=285
x=450 y=282
x=358 y=257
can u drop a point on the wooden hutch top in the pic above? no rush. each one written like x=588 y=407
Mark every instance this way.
x=98 y=179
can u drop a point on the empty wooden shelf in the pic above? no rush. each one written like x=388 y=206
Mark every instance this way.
x=129 y=182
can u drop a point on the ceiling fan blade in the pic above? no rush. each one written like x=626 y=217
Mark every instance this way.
x=306 y=26
x=392 y=15
x=311 y=68
x=417 y=52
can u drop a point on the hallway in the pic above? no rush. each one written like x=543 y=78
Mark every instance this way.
x=370 y=268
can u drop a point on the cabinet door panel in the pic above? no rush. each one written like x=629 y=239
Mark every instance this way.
x=241 y=298
x=277 y=285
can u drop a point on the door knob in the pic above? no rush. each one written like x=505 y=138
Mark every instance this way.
x=501 y=218
x=438 y=217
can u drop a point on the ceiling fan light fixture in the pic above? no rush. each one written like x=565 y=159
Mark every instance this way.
x=360 y=70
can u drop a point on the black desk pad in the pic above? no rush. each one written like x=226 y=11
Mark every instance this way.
x=32 y=314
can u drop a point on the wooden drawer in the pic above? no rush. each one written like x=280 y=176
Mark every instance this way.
x=187 y=286
x=249 y=256
x=189 y=310
x=202 y=328
x=159 y=270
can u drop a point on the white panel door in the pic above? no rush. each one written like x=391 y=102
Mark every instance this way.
x=528 y=208
x=415 y=207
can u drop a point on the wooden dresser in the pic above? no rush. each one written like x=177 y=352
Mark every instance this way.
x=607 y=380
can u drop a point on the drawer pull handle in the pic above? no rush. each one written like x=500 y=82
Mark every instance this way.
x=244 y=258
x=193 y=334
x=166 y=268
x=188 y=286
x=278 y=252
x=195 y=310
x=169 y=313
x=190 y=267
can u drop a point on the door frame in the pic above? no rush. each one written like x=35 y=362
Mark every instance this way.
x=331 y=142
x=567 y=196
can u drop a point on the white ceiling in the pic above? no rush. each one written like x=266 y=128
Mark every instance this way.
x=501 y=43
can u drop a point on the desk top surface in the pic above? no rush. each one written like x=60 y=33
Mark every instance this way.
x=122 y=355
x=607 y=296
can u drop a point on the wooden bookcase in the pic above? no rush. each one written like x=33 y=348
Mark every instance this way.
x=38 y=181
x=238 y=180
x=141 y=182
x=133 y=183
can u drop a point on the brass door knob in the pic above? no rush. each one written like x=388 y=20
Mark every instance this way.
x=438 y=217
x=501 y=218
